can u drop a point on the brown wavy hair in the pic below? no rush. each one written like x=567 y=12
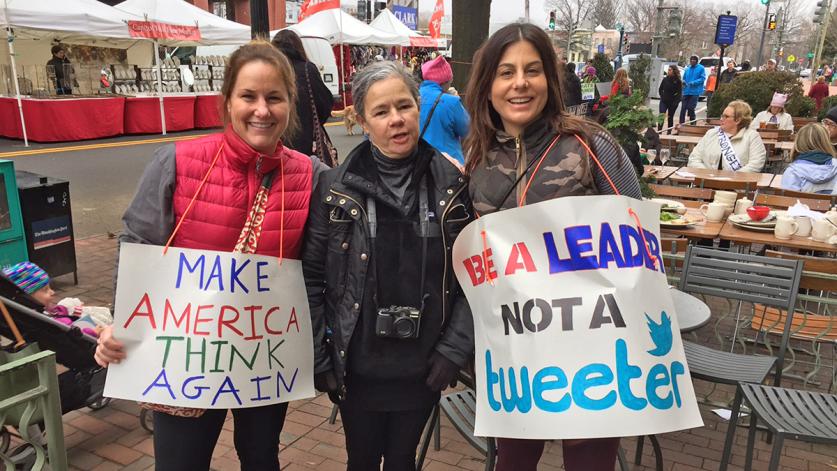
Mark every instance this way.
x=263 y=51
x=485 y=122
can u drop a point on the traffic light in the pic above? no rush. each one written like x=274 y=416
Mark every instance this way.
x=626 y=43
x=820 y=11
x=771 y=21
x=765 y=2
x=552 y=20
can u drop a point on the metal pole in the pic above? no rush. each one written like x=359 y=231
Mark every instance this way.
x=160 y=85
x=10 y=38
x=526 y=9
x=763 y=31
x=619 y=50
x=821 y=40
x=655 y=42
x=342 y=81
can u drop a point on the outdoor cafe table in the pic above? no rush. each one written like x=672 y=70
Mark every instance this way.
x=745 y=237
x=659 y=172
x=692 y=313
x=668 y=138
x=702 y=229
x=762 y=180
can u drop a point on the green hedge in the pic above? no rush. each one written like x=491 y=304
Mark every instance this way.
x=757 y=88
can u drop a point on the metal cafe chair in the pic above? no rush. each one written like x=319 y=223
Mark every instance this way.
x=788 y=413
x=745 y=278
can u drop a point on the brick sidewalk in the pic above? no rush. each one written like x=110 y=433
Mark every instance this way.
x=112 y=439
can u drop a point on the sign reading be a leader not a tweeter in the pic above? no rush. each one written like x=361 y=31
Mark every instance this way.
x=575 y=330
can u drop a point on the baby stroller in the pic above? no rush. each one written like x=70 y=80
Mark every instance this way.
x=83 y=382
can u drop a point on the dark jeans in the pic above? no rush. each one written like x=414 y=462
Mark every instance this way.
x=669 y=109
x=590 y=455
x=182 y=443
x=689 y=104
x=372 y=435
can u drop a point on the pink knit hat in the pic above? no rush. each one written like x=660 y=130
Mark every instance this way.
x=438 y=70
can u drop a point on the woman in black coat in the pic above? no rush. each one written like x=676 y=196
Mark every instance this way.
x=289 y=43
x=671 y=89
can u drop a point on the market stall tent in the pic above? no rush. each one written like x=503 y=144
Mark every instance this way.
x=388 y=22
x=339 y=27
x=213 y=29
x=72 y=21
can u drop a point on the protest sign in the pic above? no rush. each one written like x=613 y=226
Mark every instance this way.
x=588 y=91
x=575 y=330
x=210 y=330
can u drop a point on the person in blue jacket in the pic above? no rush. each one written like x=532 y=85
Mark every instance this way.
x=693 y=79
x=449 y=122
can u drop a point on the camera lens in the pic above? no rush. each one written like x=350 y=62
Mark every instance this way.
x=404 y=327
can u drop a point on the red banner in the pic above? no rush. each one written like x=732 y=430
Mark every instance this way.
x=309 y=7
x=157 y=30
x=435 y=25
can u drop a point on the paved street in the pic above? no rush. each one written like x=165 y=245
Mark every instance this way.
x=103 y=174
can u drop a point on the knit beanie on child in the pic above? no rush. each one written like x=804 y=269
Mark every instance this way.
x=27 y=276
x=438 y=70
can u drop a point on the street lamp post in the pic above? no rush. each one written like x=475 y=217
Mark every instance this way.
x=763 y=31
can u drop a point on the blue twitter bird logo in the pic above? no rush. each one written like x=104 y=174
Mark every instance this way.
x=660 y=334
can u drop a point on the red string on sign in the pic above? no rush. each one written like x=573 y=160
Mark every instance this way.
x=282 y=211
x=522 y=200
x=192 y=201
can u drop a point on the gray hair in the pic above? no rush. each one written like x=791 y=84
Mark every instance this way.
x=375 y=72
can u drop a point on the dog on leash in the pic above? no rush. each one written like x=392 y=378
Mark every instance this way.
x=349 y=118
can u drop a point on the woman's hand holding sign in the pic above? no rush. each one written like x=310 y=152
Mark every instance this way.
x=109 y=350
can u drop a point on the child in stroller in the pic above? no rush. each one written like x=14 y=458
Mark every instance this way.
x=25 y=291
x=34 y=281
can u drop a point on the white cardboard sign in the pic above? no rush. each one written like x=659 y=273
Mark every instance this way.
x=575 y=330
x=211 y=330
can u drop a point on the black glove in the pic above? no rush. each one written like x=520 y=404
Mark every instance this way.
x=442 y=372
x=326 y=382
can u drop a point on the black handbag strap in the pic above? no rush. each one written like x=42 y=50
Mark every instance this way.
x=430 y=115
x=314 y=116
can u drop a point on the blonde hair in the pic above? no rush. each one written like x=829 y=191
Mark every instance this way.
x=621 y=78
x=741 y=111
x=812 y=137
x=821 y=79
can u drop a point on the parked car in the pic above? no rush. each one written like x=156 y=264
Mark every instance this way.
x=805 y=73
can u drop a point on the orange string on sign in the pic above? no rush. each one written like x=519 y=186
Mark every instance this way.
x=616 y=190
x=282 y=211
x=537 y=167
x=192 y=201
x=484 y=260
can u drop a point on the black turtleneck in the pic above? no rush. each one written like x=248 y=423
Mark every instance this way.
x=395 y=174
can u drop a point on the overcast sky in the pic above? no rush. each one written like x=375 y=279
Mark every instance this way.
x=506 y=11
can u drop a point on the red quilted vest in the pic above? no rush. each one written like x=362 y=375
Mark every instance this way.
x=220 y=210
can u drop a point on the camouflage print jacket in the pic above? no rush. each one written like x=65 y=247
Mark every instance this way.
x=567 y=170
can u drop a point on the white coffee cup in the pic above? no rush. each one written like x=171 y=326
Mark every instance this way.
x=727 y=197
x=805 y=226
x=714 y=212
x=785 y=227
x=742 y=205
x=822 y=229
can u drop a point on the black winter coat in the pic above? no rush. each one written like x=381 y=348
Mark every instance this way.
x=323 y=101
x=339 y=276
x=671 y=89
x=572 y=89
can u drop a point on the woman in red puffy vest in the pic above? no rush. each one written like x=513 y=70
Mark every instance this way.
x=224 y=174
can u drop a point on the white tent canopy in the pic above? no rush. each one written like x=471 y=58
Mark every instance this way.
x=339 y=27
x=388 y=22
x=213 y=29
x=72 y=21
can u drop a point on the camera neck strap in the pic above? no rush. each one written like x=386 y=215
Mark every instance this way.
x=424 y=229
